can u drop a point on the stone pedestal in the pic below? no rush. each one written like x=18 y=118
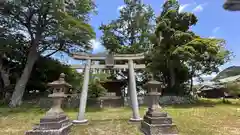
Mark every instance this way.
x=158 y=123
x=52 y=126
x=55 y=122
x=155 y=121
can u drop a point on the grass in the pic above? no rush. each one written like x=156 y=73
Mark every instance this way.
x=211 y=117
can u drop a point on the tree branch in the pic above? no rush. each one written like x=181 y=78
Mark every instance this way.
x=60 y=48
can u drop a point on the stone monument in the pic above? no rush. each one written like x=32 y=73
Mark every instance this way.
x=155 y=121
x=55 y=122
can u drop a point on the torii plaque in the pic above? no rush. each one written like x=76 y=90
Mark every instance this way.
x=109 y=64
x=109 y=61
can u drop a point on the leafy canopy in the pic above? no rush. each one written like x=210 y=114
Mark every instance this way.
x=45 y=23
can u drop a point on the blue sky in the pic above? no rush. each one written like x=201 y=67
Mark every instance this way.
x=214 y=21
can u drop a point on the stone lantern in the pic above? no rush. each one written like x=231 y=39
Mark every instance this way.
x=232 y=5
x=155 y=121
x=55 y=122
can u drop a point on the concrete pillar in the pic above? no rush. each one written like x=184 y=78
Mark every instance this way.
x=133 y=93
x=83 y=98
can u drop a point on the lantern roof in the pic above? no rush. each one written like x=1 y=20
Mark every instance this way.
x=60 y=82
x=154 y=82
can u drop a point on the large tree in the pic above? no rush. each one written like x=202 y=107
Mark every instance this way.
x=130 y=32
x=49 y=25
x=178 y=53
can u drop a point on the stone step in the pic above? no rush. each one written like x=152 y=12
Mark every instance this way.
x=53 y=125
x=53 y=119
x=158 y=129
x=157 y=120
x=62 y=131
x=156 y=114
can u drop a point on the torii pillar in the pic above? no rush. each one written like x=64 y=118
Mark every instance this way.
x=133 y=93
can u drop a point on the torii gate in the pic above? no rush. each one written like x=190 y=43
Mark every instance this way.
x=109 y=64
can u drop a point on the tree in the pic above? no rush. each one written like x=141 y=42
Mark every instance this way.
x=96 y=90
x=12 y=55
x=50 y=26
x=178 y=53
x=130 y=32
x=203 y=56
x=44 y=71
x=171 y=32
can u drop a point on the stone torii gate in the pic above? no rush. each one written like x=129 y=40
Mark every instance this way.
x=109 y=65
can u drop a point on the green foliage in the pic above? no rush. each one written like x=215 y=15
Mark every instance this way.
x=47 y=70
x=48 y=26
x=46 y=21
x=96 y=89
x=178 y=53
x=130 y=32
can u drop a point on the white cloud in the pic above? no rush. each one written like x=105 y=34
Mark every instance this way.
x=215 y=30
x=121 y=7
x=199 y=8
x=211 y=37
x=182 y=7
x=208 y=77
x=95 y=44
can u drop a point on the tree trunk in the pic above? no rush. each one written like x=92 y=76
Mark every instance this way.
x=172 y=74
x=17 y=95
x=5 y=78
x=191 y=83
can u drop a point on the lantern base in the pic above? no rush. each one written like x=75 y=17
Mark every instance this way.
x=158 y=123
x=161 y=129
x=52 y=126
x=62 y=131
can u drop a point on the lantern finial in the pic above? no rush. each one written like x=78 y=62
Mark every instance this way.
x=151 y=77
x=62 y=77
